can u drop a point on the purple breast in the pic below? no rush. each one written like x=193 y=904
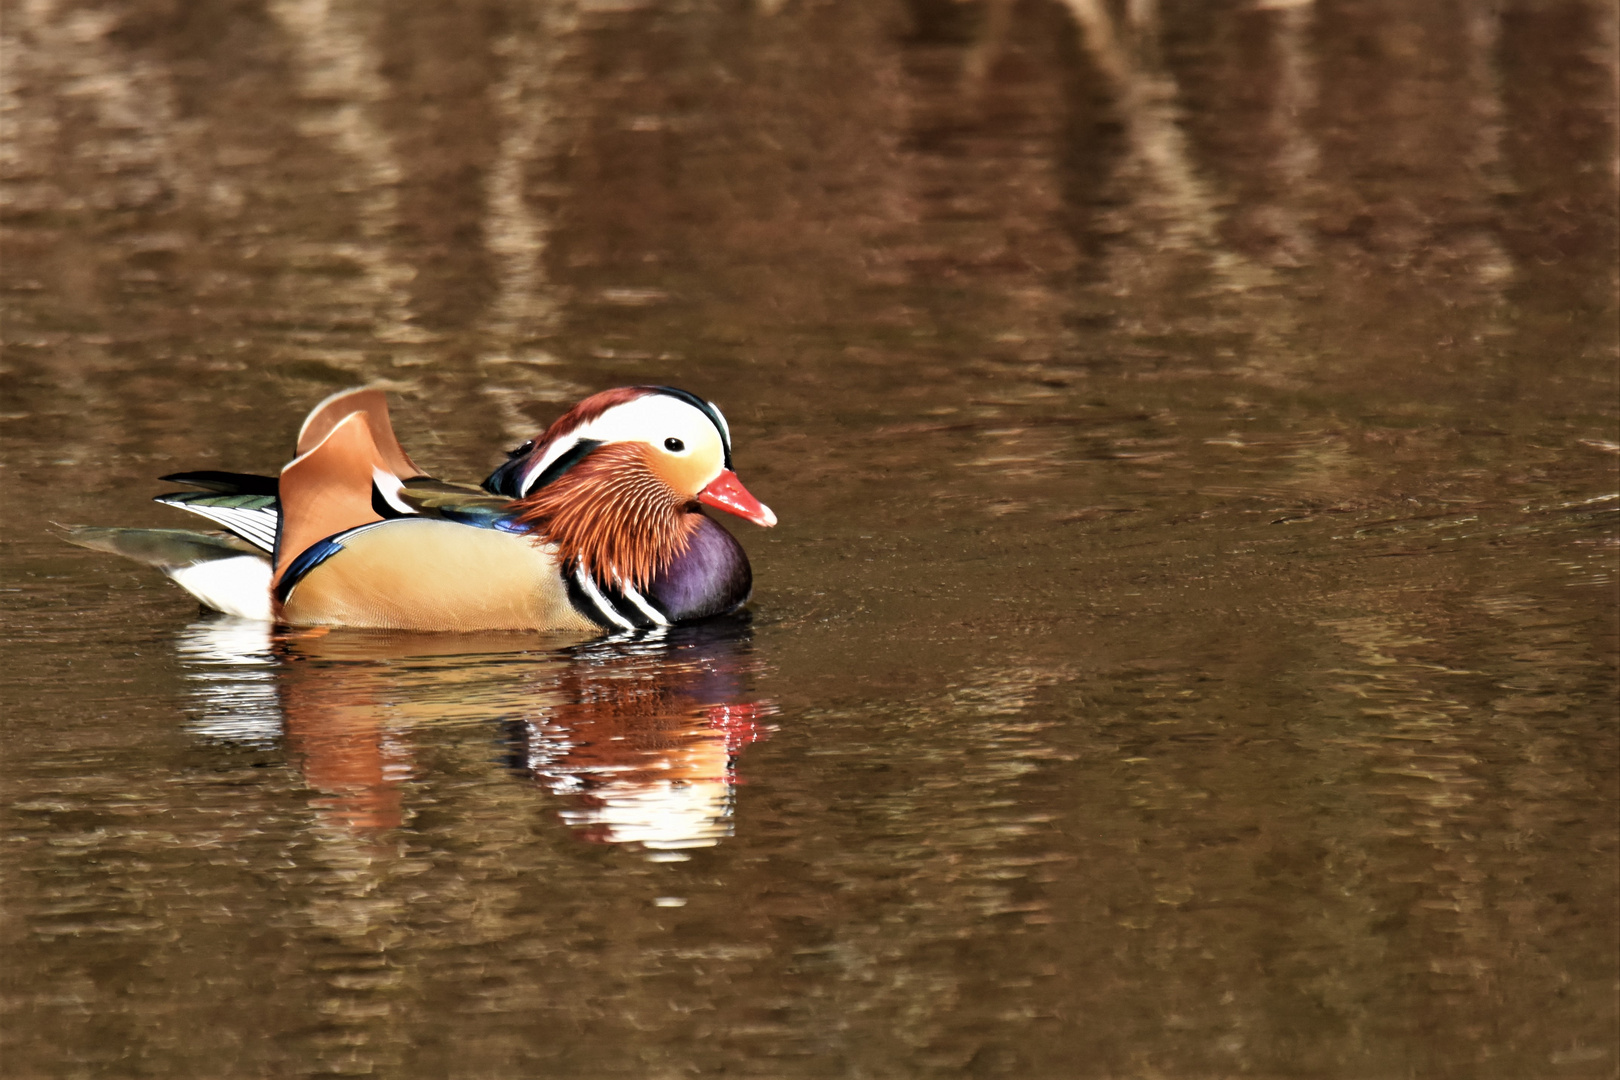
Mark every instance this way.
x=712 y=578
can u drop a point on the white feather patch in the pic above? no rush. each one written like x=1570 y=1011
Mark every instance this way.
x=238 y=586
x=389 y=486
x=256 y=526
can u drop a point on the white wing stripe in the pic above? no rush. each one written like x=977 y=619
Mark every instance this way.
x=257 y=527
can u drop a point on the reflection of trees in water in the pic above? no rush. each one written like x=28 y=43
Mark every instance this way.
x=337 y=69
x=488 y=170
x=638 y=737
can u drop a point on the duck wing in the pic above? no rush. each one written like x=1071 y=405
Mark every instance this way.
x=251 y=517
x=249 y=506
x=328 y=489
x=225 y=483
x=372 y=404
x=461 y=503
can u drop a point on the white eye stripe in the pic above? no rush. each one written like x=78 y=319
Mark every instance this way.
x=562 y=447
x=651 y=419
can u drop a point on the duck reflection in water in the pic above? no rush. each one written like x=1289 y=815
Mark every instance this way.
x=637 y=735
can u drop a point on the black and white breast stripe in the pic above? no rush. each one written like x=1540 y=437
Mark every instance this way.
x=615 y=607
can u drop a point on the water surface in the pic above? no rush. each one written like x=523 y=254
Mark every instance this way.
x=1189 y=648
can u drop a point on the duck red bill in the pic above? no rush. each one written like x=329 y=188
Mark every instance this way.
x=727 y=493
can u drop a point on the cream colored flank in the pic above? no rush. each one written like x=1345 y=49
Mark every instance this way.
x=435 y=575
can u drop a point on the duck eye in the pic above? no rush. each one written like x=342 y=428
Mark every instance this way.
x=674 y=445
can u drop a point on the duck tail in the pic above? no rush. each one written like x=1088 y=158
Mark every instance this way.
x=223 y=572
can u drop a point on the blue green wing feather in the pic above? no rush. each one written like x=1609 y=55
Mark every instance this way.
x=461 y=503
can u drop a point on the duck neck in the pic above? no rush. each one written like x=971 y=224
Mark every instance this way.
x=611 y=515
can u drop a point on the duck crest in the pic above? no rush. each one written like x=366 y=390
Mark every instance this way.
x=515 y=478
x=611 y=515
x=588 y=410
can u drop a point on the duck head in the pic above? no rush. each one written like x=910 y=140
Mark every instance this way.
x=618 y=481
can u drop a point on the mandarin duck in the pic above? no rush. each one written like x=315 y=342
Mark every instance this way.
x=596 y=525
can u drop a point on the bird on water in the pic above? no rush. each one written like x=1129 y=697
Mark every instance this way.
x=598 y=524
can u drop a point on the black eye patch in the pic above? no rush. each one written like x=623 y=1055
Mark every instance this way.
x=674 y=445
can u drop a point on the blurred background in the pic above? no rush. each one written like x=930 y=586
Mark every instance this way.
x=1189 y=648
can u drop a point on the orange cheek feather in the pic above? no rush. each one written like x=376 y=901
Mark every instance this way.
x=685 y=476
x=616 y=511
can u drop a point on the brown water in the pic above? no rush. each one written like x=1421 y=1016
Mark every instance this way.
x=1189 y=649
